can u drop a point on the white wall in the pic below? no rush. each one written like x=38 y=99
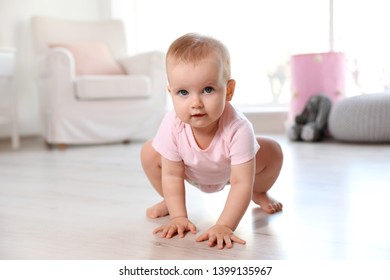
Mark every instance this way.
x=15 y=32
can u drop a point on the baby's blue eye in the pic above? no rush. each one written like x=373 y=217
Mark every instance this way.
x=208 y=90
x=182 y=92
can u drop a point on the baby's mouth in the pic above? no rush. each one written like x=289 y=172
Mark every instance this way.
x=198 y=115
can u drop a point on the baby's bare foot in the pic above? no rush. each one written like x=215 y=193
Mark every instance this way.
x=267 y=203
x=157 y=210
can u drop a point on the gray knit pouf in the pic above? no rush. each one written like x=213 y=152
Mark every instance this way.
x=363 y=118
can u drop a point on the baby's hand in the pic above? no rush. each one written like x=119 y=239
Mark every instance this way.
x=178 y=225
x=220 y=235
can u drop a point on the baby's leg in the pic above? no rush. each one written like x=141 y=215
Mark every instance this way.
x=269 y=161
x=151 y=163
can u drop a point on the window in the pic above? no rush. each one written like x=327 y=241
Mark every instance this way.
x=262 y=35
x=362 y=33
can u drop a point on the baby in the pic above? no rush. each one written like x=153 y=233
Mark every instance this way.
x=208 y=143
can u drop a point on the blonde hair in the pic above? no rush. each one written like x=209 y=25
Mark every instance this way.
x=193 y=47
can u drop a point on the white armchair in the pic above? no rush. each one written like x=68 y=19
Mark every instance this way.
x=90 y=90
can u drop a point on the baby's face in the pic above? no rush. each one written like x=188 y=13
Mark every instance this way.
x=198 y=91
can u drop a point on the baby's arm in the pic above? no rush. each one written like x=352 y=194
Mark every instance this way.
x=241 y=180
x=174 y=197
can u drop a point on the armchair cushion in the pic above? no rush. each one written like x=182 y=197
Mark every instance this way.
x=92 y=58
x=108 y=87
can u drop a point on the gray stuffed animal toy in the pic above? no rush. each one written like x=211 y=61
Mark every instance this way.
x=311 y=124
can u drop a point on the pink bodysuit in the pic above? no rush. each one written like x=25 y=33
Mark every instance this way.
x=209 y=169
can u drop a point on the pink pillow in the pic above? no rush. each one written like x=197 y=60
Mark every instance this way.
x=92 y=58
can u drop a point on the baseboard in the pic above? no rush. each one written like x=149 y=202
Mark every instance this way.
x=269 y=120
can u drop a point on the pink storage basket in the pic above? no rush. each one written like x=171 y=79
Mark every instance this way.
x=313 y=74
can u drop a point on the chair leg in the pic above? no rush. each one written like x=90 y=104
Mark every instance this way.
x=48 y=145
x=51 y=146
x=62 y=147
x=15 y=137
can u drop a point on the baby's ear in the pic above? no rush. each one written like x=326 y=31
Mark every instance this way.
x=231 y=85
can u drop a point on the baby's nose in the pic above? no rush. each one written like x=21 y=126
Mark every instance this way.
x=196 y=101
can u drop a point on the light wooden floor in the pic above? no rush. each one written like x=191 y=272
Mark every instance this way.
x=89 y=203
